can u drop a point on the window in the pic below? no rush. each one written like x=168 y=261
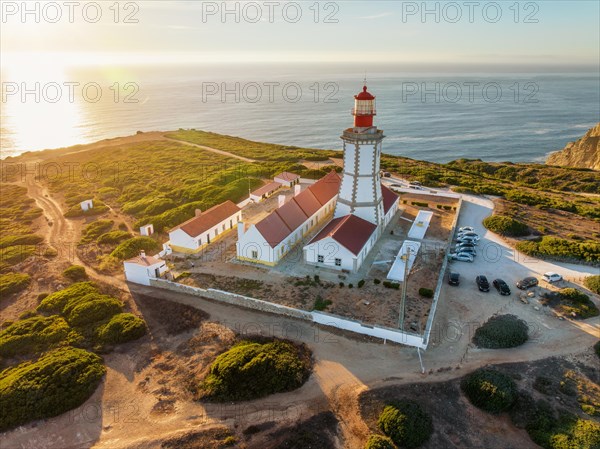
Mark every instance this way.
x=230 y=224
x=223 y=228
x=338 y=262
x=216 y=231
x=320 y=259
x=255 y=254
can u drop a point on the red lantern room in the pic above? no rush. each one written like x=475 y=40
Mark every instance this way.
x=364 y=109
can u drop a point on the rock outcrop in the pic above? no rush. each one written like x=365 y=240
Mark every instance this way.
x=584 y=153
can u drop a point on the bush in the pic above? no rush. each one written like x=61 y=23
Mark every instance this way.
x=379 y=442
x=14 y=240
x=33 y=335
x=121 y=328
x=251 y=369
x=112 y=237
x=406 y=423
x=75 y=210
x=94 y=230
x=75 y=273
x=597 y=349
x=350 y=286
x=501 y=331
x=361 y=283
x=426 y=292
x=94 y=310
x=593 y=283
x=13 y=283
x=507 y=226
x=577 y=304
x=58 y=381
x=321 y=304
x=132 y=247
x=56 y=302
x=392 y=285
x=376 y=281
x=561 y=249
x=490 y=390
x=341 y=284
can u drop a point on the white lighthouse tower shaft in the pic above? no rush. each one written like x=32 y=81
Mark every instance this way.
x=360 y=190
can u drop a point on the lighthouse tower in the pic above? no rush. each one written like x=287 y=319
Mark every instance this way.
x=360 y=189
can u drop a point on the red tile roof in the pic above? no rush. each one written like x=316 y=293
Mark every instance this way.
x=283 y=221
x=266 y=189
x=145 y=261
x=389 y=198
x=208 y=219
x=287 y=176
x=350 y=231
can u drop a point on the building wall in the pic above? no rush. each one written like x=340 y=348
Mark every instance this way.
x=182 y=242
x=141 y=274
x=330 y=250
x=252 y=239
x=286 y=182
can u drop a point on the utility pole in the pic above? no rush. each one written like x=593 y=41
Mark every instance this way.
x=403 y=300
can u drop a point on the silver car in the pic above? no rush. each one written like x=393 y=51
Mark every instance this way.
x=462 y=257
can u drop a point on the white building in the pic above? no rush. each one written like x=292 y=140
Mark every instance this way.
x=86 y=205
x=205 y=228
x=140 y=269
x=147 y=229
x=287 y=179
x=346 y=241
x=267 y=241
x=264 y=192
x=364 y=207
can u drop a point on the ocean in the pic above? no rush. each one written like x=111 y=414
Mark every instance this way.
x=518 y=117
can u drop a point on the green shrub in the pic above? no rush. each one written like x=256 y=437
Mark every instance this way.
x=13 y=255
x=379 y=442
x=132 y=247
x=76 y=211
x=13 y=283
x=56 y=302
x=561 y=249
x=361 y=283
x=376 y=281
x=341 y=284
x=350 y=286
x=251 y=369
x=406 y=423
x=501 y=331
x=597 y=349
x=593 y=283
x=94 y=230
x=426 y=292
x=321 y=304
x=34 y=335
x=94 y=311
x=121 y=328
x=113 y=237
x=490 y=390
x=392 y=285
x=577 y=304
x=14 y=240
x=507 y=226
x=58 y=381
x=75 y=273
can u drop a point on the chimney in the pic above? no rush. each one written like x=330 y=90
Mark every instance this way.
x=281 y=200
x=198 y=212
x=143 y=254
x=241 y=230
x=297 y=189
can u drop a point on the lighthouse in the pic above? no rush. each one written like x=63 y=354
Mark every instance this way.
x=360 y=189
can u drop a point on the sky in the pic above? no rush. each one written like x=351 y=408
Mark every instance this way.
x=564 y=33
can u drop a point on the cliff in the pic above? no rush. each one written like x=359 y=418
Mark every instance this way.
x=584 y=153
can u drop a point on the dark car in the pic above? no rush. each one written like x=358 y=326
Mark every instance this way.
x=482 y=283
x=526 y=283
x=454 y=279
x=502 y=287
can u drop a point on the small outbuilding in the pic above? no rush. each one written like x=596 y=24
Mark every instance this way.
x=142 y=268
x=86 y=205
x=147 y=230
x=264 y=192
x=287 y=179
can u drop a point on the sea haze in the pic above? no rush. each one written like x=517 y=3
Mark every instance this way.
x=424 y=115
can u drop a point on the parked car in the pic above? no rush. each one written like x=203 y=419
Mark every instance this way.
x=415 y=183
x=462 y=257
x=454 y=279
x=502 y=287
x=552 y=277
x=468 y=234
x=466 y=229
x=482 y=283
x=464 y=245
x=526 y=283
x=387 y=174
x=416 y=187
x=467 y=250
x=466 y=240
